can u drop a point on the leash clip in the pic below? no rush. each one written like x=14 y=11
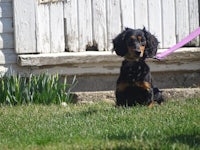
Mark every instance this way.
x=156 y=58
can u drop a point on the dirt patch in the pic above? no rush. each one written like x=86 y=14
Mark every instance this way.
x=109 y=96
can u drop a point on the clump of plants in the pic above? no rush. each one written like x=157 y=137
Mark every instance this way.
x=35 y=89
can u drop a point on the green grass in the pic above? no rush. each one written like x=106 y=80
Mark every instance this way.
x=173 y=125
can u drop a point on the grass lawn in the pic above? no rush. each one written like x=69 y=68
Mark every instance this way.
x=174 y=125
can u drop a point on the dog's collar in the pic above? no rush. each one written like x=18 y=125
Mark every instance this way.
x=133 y=59
x=130 y=58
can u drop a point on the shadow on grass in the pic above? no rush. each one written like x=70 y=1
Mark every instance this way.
x=131 y=141
x=193 y=141
x=83 y=113
x=121 y=136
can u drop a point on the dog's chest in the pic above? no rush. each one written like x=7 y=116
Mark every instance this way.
x=135 y=71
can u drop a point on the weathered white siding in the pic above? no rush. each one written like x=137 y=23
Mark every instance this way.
x=73 y=25
x=39 y=28
x=25 y=26
x=7 y=54
x=168 y=23
x=6 y=29
x=99 y=22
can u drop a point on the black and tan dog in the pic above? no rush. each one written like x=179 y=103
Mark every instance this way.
x=134 y=85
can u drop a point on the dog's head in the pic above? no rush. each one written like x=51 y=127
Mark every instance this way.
x=134 y=44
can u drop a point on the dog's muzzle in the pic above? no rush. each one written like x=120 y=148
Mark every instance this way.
x=137 y=52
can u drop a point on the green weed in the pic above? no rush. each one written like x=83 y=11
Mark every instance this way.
x=35 y=89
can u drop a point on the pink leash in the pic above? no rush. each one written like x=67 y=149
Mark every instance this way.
x=191 y=36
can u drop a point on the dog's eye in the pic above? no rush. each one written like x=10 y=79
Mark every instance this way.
x=131 y=42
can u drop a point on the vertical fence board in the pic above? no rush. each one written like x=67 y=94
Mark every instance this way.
x=127 y=8
x=114 y=21
x=155 y=19
x=24 y=24
x=194 y=22
x=182 y=19
x=71 y=25
x=85 y=24
x=99 y=23
x=141 y=13
x=57 y=27
x=169 y=32
x=43 y=29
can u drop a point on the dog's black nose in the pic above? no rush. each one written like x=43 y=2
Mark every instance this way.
x=137 y=53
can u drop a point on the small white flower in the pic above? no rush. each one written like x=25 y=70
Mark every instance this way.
x=64 y=104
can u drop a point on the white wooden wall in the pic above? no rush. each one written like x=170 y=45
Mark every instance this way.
x=76 y=24
x=6 y=29
x=7 y=54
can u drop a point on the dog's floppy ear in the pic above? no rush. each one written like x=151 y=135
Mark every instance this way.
x=151 y=45
x=119 y=43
